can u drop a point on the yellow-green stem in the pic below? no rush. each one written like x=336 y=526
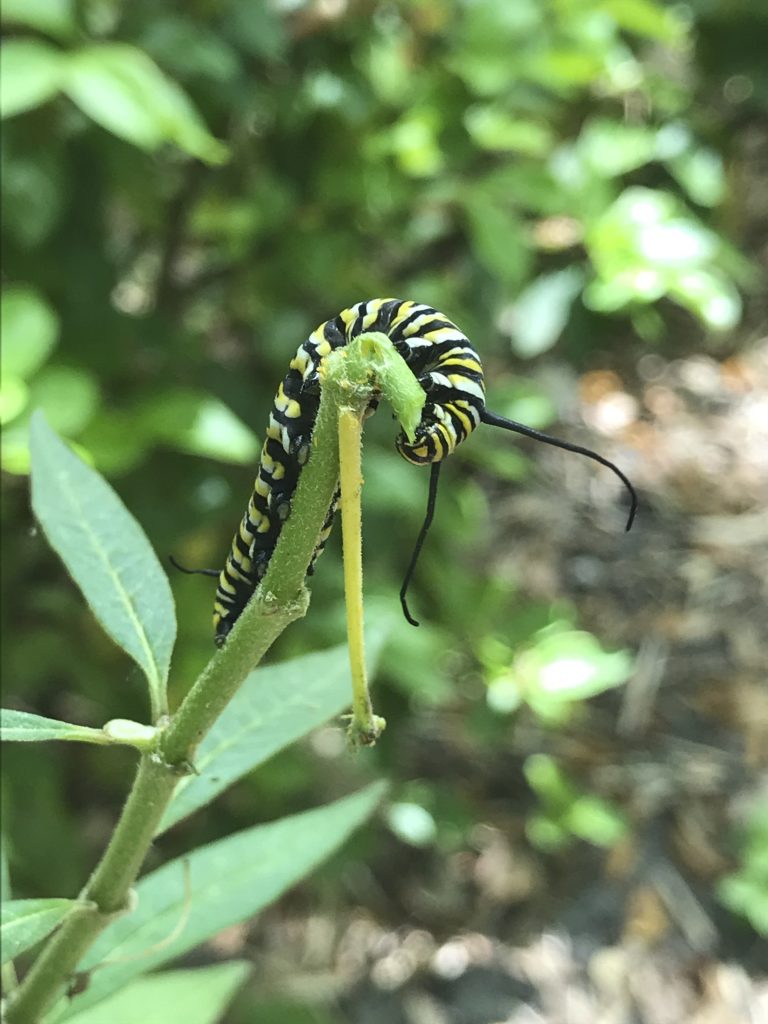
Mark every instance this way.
x=365 y=727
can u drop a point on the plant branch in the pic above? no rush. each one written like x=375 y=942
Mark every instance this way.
x=351 y=377
x=108 y=890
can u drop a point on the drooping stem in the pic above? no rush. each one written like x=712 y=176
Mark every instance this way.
x=364 y=727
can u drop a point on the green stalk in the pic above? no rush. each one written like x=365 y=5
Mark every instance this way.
x=351 y=377
x=107 y=891
x=364 y=727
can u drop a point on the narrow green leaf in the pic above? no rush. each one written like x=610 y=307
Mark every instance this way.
x=646 y=18
x=612 y=148
x=492 y=127
x=595 y=820
x=107 y=554
x=112 y=85
x=197 y=996
x=229 y=881
x=274 y=707
x=23 y=923
x=23 y=727
x=124 y=91
x=498 y=238
x=200 y=424
x=5 y=874
x=53 y=17
x=539 y=314
x=30 y=74
x=702 y=175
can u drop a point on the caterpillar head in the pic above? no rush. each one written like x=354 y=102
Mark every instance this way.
x=435 y=437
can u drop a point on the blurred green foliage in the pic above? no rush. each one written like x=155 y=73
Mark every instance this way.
x=187 y=190
x=197 y=996
x=553 y=672
x=566 y=813
x=444 y=140
x=745 y=890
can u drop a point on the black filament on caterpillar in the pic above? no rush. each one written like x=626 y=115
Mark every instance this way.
x=448 y=369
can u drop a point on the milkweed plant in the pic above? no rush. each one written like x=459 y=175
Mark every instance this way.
x=99 y=946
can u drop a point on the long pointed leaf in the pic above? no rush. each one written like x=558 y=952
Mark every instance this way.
x=107 y=554
x=23 y=727
x=198 y=996
x=229 y=881
x=275 y=706
x=5 y=873
x=23 y=923
x=31 y=72
x=122 y=89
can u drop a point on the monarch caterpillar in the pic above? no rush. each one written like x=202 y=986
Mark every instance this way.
x=449 y=370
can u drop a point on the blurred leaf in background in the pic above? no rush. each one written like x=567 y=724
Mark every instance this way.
x=567 y=813
x=745 y=891
x=559 y=668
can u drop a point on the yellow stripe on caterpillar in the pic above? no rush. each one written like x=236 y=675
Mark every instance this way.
x=466 y=421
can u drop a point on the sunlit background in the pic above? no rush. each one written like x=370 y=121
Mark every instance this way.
x=577 y=732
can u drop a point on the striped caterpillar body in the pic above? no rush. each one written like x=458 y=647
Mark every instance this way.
x=448 y=369
x=446 y=366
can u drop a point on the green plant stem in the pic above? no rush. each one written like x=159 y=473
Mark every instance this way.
x=350 y=437
x=256 y=630
x=279 y=600
x=107 y=889
x=364 y=727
